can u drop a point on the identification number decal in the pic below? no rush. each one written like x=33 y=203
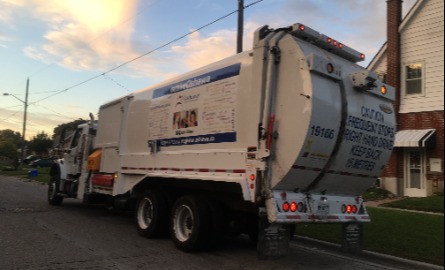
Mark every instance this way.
x=321 y=132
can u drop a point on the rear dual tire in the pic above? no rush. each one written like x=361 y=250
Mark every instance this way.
x=194 y=223
x=152 y=215
x=191 y=228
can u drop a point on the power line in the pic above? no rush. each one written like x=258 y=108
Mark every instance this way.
x=36 y=93
x=147 y=53
x=47 y=66
x=10 y=116
x=4 y=108
x=58 y=92
x=116 y=82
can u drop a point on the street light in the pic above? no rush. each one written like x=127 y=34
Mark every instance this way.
x=7 y=94
x=25 y=115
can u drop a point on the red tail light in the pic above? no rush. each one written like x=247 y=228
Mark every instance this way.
x=286 y=207
x=294 y=207
x=349 y=209
x=354 y=209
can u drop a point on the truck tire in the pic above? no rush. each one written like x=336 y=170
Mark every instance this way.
x=190 y=224
x=152 y=214
x=53 y=190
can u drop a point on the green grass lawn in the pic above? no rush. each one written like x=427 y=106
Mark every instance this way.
x=408 y=235
x=43 y=174
x=430 y=204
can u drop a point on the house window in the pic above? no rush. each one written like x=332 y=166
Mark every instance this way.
x=414 y=79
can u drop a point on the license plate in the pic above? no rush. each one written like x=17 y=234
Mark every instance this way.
x=323 y=210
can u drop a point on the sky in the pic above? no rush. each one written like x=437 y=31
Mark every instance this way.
x=59 y=44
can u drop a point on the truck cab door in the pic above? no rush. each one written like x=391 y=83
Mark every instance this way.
x=72 y=156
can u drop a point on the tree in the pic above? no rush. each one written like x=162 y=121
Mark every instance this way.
x=69 y=127
x=40 y=144
x=8 y=135
x=8 y=149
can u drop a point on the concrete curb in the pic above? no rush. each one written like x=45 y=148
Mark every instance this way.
x=375 y=256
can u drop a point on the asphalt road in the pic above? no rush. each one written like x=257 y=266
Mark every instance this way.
x=34 y=235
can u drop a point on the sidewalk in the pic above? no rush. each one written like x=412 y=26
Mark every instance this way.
x=378 y=203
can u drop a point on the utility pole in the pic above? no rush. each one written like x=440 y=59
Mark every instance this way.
x=240 y=26
x=25 y=118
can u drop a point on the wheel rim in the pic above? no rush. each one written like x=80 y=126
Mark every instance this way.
x=183 y=223
x=145 y=213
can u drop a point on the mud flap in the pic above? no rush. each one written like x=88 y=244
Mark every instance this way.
x=352 y=237
x=273 y=239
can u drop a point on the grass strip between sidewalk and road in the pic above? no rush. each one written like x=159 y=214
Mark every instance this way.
x=414 y=236
x=43 y=174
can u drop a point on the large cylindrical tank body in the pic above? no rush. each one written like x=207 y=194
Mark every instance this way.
x=328 y=137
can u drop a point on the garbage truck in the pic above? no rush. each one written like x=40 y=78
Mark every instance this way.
x=292 y=132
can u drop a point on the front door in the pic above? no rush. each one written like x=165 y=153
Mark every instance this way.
x=72 y=155
x=415 y=173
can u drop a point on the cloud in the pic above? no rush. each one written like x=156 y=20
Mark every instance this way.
x=4 y=39
x=7 y=8
x=199 y=50
x=364 y=28
x=91 y=35
x=85 y=35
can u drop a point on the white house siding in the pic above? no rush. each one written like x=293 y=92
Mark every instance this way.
x=380 y=65
x=422 y=41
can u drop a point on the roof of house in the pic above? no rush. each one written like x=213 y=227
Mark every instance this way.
x=405 y=23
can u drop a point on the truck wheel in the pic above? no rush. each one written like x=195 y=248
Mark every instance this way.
x=53 y=189
x=152 y=215
x=190 y=224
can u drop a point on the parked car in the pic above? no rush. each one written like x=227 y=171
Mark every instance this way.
x=30 y=159
x=42 y=163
